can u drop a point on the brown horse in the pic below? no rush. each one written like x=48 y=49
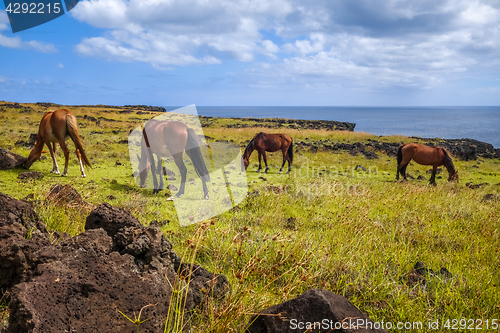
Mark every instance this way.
x=165 y=138
x=263 y=142
x=425 y=155
x=56 y=127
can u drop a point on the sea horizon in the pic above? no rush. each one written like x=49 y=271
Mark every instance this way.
x=480 y=123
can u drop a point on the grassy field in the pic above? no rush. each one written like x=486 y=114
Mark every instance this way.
x=326 y=225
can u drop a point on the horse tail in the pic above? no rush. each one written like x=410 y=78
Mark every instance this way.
x=72 y=128
x=194 y=152
x=400 y=155
x=290 y=151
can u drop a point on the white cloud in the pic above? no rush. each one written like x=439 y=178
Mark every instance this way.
x=176 y=32
x=480 y=13
x=17 y=43
x=357 y=43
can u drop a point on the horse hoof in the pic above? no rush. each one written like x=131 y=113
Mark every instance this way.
x=56 y=172
x=206 y=197
x=64 y=175
x=84 y=175
x=178 y=195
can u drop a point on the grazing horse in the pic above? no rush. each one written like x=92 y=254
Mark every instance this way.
x=425 y=155
x=263 y=142
x=165 y=138
x=56 y=127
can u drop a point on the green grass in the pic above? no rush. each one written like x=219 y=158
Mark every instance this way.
x=323 y=226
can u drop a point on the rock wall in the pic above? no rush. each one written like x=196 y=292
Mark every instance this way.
x=80 y=284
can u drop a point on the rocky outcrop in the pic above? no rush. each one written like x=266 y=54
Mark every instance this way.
x=316 y=310
x=466 y=149
x=30 y=175
x=10 y=160
x=80 y=284
x=16 y=106
x=22 y=235
x=463 y=149
x=282 y=123
x=66 y=195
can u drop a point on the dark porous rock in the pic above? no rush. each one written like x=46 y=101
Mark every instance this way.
x=490 y=197
x=476 y=186
x=30 y=175
x=438 y=171
x=22 y=235
x=110 y=218
x=10 y=160
x=360 y=168
x=65 y=195
x=421 y=276
x=115 y=265
x=420 y=177
x=466 y=149
x=311 y=310
x=28 y=144
x=172 y=187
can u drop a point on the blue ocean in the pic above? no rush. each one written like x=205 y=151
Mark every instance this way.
x=473 y=122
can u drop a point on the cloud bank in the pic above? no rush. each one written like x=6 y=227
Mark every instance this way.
x=354 y=43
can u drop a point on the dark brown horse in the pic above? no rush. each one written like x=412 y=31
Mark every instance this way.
x=165 y=138
x=425 y=155
x=56 y=127
x=263 y=142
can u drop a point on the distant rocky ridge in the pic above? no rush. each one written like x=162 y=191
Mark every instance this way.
x=282 y=123
x=463 y=149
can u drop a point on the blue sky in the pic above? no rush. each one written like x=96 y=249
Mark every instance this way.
x=258 y=52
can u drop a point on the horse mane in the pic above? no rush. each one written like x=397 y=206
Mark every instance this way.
x=248 y=147
x=448 y=163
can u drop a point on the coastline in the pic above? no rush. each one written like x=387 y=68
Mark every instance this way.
x=465 y=148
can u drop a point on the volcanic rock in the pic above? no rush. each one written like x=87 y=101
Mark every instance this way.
x=30 y=175
x=10 y=160
x=314 y=306
x=80 y=284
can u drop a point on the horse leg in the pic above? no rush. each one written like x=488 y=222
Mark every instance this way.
x=284 y=161
x=403 y=171
x=432 y=181
x=183 y=170
x=265 y=161
x=79 y=156
x=205 y=189
x=160 y=172
x=65 y=150
x=52 y=150
x=151 y=158
x=260 y=159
